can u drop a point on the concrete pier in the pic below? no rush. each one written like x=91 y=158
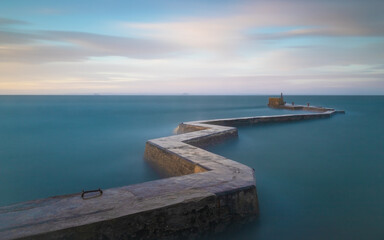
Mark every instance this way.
x=206 y=192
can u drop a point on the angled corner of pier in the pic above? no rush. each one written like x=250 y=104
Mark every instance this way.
x=205 y=191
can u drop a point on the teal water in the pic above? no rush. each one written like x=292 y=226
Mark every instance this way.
x=320 y=179
x=52 y=145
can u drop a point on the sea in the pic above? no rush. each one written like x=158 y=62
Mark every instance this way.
x=316 y=179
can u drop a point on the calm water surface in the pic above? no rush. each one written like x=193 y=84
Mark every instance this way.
x=320 y=179
x=52 y=145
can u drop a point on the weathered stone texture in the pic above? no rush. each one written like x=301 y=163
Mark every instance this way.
x=275 y=102
x=169 y=163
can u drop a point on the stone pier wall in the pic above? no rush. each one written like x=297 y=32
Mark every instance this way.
x=205 y=192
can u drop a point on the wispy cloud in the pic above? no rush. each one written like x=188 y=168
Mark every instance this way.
x=8 y=38
x=306 y=18
x=329 y=46
x=9 y=21
x=64 y=46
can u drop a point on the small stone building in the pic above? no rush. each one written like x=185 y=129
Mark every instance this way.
x=275 y=102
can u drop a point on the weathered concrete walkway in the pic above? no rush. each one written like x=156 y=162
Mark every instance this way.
x=207 y=192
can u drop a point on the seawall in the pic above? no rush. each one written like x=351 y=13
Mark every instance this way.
x=304 y=108
x=205 y=191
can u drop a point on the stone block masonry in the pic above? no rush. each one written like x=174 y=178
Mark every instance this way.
x=206 y=192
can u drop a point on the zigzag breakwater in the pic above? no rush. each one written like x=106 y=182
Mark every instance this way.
x=206 y=191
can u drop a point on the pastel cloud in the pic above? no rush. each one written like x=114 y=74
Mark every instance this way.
x=52 y=46
x=255 y=47
x=10 y=21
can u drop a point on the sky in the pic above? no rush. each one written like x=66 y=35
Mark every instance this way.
x=215 y=47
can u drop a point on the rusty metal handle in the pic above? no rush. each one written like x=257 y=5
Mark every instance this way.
x=91 y=191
